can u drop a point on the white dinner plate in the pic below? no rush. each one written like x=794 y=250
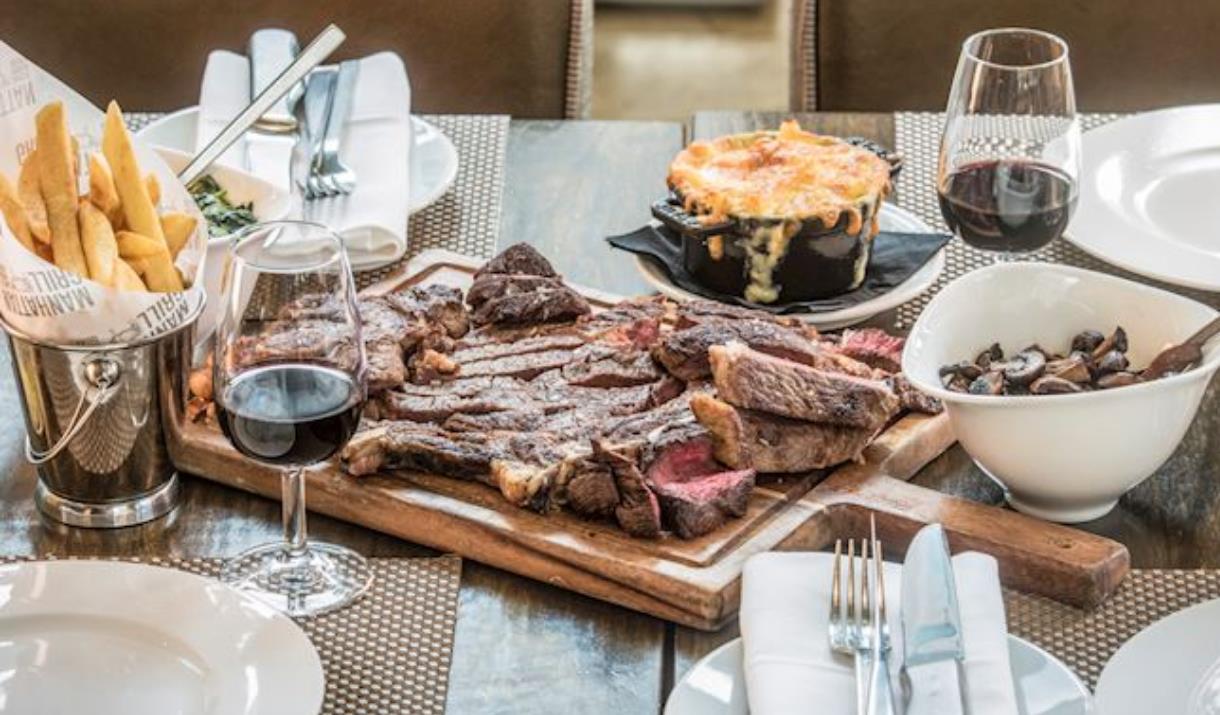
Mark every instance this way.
x=434 y=159
x=1156 y=671
x=110 y=638
x=893 y=218
x=716 y=685
x=1148 y=195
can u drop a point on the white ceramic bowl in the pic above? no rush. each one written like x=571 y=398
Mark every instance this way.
x=1065 y=458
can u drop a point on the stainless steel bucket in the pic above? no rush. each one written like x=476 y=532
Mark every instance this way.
x=96 y=418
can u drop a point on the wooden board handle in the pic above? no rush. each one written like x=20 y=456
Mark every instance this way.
x=1035 y=556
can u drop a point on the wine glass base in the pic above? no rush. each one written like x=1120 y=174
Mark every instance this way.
x=322 y=578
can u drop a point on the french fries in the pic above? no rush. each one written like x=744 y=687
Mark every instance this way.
x=57 y=179
x=113 y=234
x=14 y=214
x=97 y=239
x=178 y=228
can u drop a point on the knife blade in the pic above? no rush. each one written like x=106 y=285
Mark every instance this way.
x=270 y=141
x=931 y=628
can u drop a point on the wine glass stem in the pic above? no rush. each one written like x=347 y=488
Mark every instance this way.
x=292 y=488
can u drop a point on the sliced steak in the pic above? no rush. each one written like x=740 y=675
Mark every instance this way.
x=591 y=490
x=382 y=329
x=601 y=365
x=695 y=312
x=402 y=445
x=297 y=340
x=550 y=305
x=522 y=420
x=436 y=304
x=638 y=512
x=525 y=367
x=873 y=347
x=769 y=443
x=750 y=379
x=626 y=313
x=911 y=398
x=396 y=405
x=532 y=344
x=518 y=258
x=703 y=504
x=684 y=352
x=467 y=387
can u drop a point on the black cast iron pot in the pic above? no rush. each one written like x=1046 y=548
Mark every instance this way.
x=821 y=261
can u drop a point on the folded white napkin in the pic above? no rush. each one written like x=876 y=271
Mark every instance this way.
x=790 y=669
x=376 y=145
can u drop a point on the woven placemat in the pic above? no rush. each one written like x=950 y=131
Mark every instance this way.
x=389 y=653
x=917 y=136
x=467 y=218
x=1085 y=641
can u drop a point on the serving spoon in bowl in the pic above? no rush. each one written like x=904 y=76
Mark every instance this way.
x=1180 y=357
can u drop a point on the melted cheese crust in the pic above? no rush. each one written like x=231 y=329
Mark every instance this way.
x=789 y=173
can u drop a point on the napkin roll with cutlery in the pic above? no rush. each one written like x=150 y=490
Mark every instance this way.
x=790 y=668
x=376 y=145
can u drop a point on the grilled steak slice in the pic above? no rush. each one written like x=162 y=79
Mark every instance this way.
x=297 y=340
x=436 y=304
x=403 y=445
x=498 y=285
x=533 y=344
x=750 y=379
x=769 y=443
x=518 y=258
x=873 y=347
x=466 y=387
x=625 y=313
x=549 y=305
x=695 y=312
x=382 y=329
x=601 y=365
x=525 y=367
x=396 y=405
x=703 y=504
x=523 y=420
x=684 y=352
x=912 y=398
x=638 y=512
x=317 y=306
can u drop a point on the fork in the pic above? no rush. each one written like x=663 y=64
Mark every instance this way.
x=880 y=690
x=850 y=611
x=329 y=176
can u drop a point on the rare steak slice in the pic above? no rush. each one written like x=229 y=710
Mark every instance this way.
x=434 y=304
x=548 y=305
x=873 y=347
x=684 y=352
x=750 y=379
x=638 y=512
x=703 y=504
x=519 y=258
x=746 y=439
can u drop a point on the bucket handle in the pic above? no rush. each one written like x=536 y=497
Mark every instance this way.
x=102 y=374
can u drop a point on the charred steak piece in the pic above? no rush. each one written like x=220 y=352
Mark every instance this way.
x=532 y=344
x=297 y=340
x=402 y=445
x=912 y=398
x=638 y=512
x=525 y=367
x=398 y=405
x=703 y=504
x=684 y=352
x=548 y=305
x=434 y=304
x=626 y=313
x=498 y=285
x=695 y=312
x=527 y=419
x=873 y=347
x=770 y=443
x=590 y=489
x=518 y=258
x=747 y=378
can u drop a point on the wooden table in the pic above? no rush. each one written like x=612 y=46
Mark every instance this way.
x=526 y=647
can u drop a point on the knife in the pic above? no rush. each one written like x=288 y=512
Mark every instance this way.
x=270 y=142
x=931 y=628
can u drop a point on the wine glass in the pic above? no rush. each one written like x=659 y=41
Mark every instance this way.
x=289 y=375
x=1010 y=150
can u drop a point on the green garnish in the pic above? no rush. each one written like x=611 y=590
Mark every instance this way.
x=222 y=215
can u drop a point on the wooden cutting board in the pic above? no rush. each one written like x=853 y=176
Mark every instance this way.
x=695 y=582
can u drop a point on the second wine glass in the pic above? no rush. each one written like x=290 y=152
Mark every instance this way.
x=289 y=376
x=1010 y=150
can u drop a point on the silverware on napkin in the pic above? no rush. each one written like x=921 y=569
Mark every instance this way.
x=880 y=689
x=931 y=629
x=270 y=141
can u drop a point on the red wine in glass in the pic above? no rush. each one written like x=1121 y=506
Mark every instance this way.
x=292 y=414
x=1007 y=206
